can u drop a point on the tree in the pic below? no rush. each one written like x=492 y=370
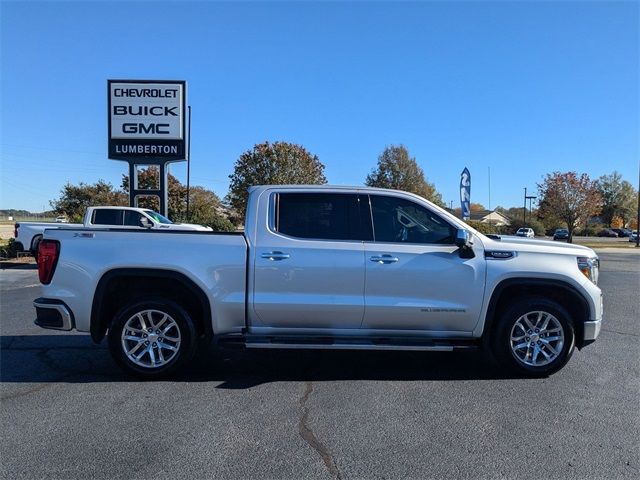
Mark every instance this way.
x=570 y=197
x=278 y=163
x=619 y=198
x=397 y=170
x=206 y=208
x=74 y=199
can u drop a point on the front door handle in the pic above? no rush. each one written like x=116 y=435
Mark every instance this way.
x=275 y=256
x=384 y=259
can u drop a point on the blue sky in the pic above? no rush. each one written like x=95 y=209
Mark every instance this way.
x=522 y=88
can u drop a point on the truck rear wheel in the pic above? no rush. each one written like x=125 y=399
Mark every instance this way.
x=534 y=337
x=151 y=338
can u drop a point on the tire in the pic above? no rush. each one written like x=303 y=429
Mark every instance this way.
x=151 y=338
x=534 y=337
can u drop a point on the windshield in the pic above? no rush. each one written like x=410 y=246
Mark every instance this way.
x=157 y=217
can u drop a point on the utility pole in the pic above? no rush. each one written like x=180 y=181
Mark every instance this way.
x=530 y=198
x=638 y=216
x=188 y=160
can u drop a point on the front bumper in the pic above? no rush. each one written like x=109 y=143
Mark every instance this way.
x=592 y=330
x=53 y=314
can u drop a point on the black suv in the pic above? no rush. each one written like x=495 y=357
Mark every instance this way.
x=561 y=234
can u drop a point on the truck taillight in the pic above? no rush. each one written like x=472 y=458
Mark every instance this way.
x=15 y=230
x=48 y=252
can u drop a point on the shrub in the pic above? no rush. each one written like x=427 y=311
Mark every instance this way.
x=10 y=250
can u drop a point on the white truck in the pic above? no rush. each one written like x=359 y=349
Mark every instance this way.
x=29 y=234
x=322 y=267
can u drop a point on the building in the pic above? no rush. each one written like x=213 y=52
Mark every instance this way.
x=492 y=217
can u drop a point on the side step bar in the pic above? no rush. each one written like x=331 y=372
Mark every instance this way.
x=351 y=343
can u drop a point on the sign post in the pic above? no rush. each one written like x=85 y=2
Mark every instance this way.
x=147 y=127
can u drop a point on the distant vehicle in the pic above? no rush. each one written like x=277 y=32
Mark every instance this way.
x=561 y=234
x=525 y=232
x=607 y=232
x=634 y=236
x=29 y=234
x=622 y=232
x=62 y=220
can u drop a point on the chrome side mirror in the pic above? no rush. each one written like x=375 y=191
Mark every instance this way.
x=145 y=222
x=464 y=241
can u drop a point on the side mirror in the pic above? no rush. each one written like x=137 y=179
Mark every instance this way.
x=145 y=222
x=464 y=241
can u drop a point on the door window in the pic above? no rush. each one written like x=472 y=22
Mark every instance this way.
x=107 y=216
x=322 y=216
x=132 y=218
x=396 y=220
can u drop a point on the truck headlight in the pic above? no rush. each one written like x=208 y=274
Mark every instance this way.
x=589 y=266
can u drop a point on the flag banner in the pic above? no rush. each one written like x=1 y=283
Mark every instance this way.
x=465 y=194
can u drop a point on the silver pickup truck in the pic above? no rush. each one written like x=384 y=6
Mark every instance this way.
x=322 y=267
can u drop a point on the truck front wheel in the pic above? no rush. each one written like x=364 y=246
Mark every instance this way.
x=151 y=338
x=535 y=337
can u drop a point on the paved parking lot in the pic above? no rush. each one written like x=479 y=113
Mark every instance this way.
x=68 y=412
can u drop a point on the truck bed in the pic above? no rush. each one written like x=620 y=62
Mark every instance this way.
x=215 y=262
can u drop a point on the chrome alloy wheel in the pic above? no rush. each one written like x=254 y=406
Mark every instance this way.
x=537 y=338
x=151 y=338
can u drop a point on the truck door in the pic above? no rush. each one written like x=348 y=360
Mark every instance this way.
x=309 y=262
x=415 y=278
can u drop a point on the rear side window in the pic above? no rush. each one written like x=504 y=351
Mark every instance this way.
x=396 y=220
x=107 y=217
x=322 y=216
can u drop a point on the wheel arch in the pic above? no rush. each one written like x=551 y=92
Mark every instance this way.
x=557 y=290
x=127 y=284
x=35 y=241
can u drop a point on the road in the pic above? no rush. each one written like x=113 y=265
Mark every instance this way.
x=68 y=412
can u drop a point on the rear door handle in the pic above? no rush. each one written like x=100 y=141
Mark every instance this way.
x=384 y=259
x=275 y=256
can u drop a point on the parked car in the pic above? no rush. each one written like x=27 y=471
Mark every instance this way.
x=29 y=234
x=322 y=267
x=561 y=234
x=634 y=236
x=62 y=220
x=525 y=232
x=607 y=232
x=622 y=232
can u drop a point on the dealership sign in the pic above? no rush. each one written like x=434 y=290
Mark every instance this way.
x=147 y=120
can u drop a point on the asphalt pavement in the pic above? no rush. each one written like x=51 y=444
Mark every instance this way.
x=66 y=410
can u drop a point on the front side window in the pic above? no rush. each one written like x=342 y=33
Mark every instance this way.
x=132 y=218
x=322 y=216
x=158 y=218
x=396 y=220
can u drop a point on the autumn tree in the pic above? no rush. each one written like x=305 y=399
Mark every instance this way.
x=397 y=170
x=619 y=198
x=74 y=199
x=278 y=163
x=570 y=197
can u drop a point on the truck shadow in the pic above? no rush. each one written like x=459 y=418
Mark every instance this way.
x=76 y=359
